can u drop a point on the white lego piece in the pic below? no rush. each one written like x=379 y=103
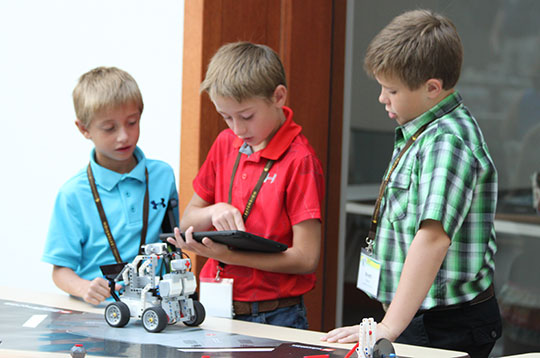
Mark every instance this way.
x=367 y=336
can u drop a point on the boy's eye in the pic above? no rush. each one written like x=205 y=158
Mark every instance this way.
x=247 y=117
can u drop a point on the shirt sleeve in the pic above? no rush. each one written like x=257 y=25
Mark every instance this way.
x=306 y=190
x=63 y=246
x=204 y=183
x=448 y=175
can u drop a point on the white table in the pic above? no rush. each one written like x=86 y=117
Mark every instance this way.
x=210 y=323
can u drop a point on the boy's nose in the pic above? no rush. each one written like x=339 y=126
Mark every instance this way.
x=382 y=98
x=238 y=127
x=122 y=135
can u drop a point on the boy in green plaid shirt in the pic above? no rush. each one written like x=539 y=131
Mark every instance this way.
x=433 y=233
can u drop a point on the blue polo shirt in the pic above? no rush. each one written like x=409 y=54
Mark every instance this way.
x=76 y=238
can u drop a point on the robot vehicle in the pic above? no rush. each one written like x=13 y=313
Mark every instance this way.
x=154 y=299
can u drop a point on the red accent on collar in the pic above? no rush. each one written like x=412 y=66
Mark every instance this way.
x=281 y=141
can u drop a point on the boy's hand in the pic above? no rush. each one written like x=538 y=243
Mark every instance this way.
x=226 y=217
x=93 y=292
x=347 y=334
x=97 y=291
x=206 y=248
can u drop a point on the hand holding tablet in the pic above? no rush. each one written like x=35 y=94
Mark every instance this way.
x=237 y=239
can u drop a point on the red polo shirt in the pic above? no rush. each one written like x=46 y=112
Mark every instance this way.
x=292 y=193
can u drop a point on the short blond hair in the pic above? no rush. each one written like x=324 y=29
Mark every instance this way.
x=416 y=46
x=243 y=70
x=103 y=88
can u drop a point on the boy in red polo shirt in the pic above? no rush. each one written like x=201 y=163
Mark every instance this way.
x=246 y=82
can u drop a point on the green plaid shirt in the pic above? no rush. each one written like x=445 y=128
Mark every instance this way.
x=446 y=175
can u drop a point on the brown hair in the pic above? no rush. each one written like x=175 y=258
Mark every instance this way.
x=416 y=46
x=243 y=70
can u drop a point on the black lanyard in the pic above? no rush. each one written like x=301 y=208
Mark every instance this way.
x=103 y=217
x=257 y=188
x=251 y=200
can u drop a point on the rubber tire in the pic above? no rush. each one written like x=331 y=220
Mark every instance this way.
x=200 y=315
x=154 y=313
x=119 y=308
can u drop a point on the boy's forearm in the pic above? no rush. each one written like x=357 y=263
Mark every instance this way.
x=290 y=262
x=197 y=214
x=301 y=258
x=196 y=217
x=423 y=261
x=68 y=281
x=220 y=216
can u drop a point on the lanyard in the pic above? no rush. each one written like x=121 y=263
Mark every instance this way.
x=257 y=188
x=251 y=200
x=103 y=217
x=370 y=239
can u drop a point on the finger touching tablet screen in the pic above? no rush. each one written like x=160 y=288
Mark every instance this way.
x=237 y=239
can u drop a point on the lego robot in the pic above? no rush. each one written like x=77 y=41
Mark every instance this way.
x=155 y=300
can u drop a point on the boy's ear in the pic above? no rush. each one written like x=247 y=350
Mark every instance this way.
x=434 y=86
x=82 y=128
x=280 y=96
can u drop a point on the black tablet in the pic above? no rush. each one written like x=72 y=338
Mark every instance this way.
x=237 y=239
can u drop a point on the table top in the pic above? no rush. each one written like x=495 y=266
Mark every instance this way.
x=64 y=301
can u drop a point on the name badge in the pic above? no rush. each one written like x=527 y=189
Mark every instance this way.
x=216 y=297
x=369 y=272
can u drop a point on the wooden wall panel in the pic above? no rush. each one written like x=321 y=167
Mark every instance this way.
x=303 y=33
x=306 y=53
x=333 y=174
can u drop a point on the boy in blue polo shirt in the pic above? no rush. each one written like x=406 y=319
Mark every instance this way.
x=119 y=186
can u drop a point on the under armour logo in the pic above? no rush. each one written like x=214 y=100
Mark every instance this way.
x=268 y=177
x=155 y=205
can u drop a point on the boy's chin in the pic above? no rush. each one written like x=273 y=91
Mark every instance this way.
x=402 y=121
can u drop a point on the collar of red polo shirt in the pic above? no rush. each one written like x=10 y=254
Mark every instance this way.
x=281 y=140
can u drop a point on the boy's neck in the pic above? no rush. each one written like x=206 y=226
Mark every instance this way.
x=442 y=95
x=120 y=167
x=282 y=120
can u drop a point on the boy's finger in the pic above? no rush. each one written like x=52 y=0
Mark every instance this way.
x=348 y=339
x=239 y=221
x=177 y=240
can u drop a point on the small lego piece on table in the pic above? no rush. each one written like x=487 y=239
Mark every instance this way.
x=78 y=351
x=367 y=337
